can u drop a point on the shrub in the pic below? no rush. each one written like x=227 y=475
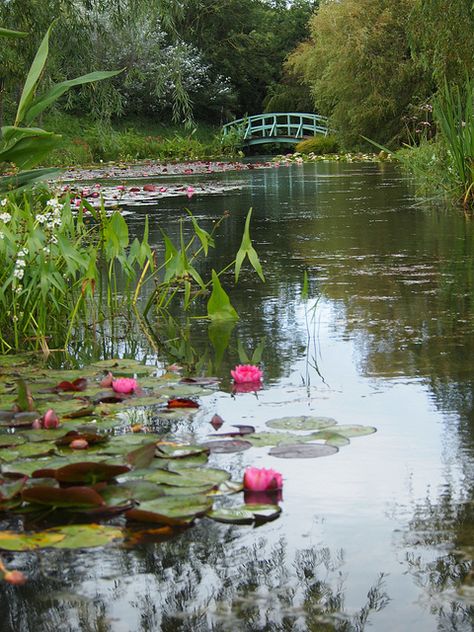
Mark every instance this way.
x=318 y=145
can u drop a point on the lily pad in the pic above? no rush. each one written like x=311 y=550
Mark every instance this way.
x=69 y=537
x=83 y=472
x=301 y=423
x=245 y=514
x=176 y=451
x=171 y=510
x=8 y=440
x=80 y=497
x=262 y=439
x=189 y=477
x=228 y=446
x=352 y=431
x=303 y=451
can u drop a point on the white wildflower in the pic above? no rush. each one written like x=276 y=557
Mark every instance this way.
x=3 y=202
x=5 y=217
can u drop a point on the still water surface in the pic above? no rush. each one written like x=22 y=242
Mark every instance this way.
x=378 y=536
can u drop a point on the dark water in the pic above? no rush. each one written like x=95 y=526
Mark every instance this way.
x=378 y=536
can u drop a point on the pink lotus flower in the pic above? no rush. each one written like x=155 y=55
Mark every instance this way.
x=261 y=480
x=190 y=191
x=125 y=385
x=244 y=373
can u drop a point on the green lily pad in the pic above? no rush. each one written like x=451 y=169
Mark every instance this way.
x=69 y=537
x=168 y=451
x=124 y=366
x=8 y=440
x=245 y=514
x=189 y=477
x=352 y=431
x=262 y=439
x=171 y=510
x=303 y=451
x=139 y=490
x=301 y=423
x=227 y=446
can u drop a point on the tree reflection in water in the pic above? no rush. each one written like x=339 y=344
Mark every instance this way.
x=204 y=580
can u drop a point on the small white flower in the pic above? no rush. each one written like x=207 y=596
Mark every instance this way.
x=23 y=252
x=5 y=217
x=19 y=273
x=41 y=219
x=4 y=202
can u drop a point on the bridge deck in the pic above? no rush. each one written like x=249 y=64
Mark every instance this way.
x=277 y=127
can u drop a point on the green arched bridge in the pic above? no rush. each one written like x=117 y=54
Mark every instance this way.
x=276 y=127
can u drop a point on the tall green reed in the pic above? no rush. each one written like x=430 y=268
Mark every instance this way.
x=59 y=267
x=454 y=113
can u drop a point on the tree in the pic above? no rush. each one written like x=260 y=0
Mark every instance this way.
x=359 y=66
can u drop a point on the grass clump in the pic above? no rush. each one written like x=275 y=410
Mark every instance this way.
x=319 y=145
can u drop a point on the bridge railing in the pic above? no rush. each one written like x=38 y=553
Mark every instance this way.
x=282 y=125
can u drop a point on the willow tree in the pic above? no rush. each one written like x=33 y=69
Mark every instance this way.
x=359 y=66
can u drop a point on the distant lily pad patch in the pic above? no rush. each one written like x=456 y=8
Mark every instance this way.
x=304 y=451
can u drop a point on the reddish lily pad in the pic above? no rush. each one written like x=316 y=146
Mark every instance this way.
x=78 y=385
x=83 y=472
x=182 y=402
x=80 y=497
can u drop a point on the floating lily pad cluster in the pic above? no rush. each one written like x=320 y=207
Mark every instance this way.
x=133 y=477
x=323 y=437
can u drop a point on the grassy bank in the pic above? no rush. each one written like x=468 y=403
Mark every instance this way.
x=86 y=141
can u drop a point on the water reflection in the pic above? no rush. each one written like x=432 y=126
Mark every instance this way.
x=386 y=338
x=203 y=580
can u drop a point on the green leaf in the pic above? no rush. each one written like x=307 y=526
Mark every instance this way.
x=219 y=306
x=305 y=288
x=59 y=89
x=33 y=77
x=12 y=34
x=30 y=147
x=246 y=249
x=25 y=179
x=171 y=509
x=302 y=422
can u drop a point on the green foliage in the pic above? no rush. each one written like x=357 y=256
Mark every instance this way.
x=247 y=250
x=51 y=268
x=219 y=306
x=454 y=112
x=319 y=145
x=359 y=67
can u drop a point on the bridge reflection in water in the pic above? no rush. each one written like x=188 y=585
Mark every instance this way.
x=281 y=127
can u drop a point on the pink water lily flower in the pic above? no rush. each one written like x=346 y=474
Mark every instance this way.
x=190 y=191
x=261 y=480
x=125 y=385
x=246 y=373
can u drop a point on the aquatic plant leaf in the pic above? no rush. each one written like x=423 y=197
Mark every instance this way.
x=169 y=451
x=8 y=440
x=302 y=422
x=203 y=381
x=245 y=514
x=24 y=400
x=352 y=431
x=14 y=541
x=247 y=249
x=92 y=438
x=261 y=439
x=84 y=472
x=182 y=402
x=142 y=456
x=78 y=385
x=216 y=422
x=303 y=451
x=140 y=490
x=171 y=510
x=67 y=497
x=189 y=477
x=227 y=446
x=10 y=489
x=219 y=306
x=81 y=536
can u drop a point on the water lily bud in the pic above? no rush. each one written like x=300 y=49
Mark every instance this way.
x=50 y=419
x=15 y=577
x=37 y=425
x=79 y=444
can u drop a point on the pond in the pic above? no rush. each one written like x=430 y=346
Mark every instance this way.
x=376 y=536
